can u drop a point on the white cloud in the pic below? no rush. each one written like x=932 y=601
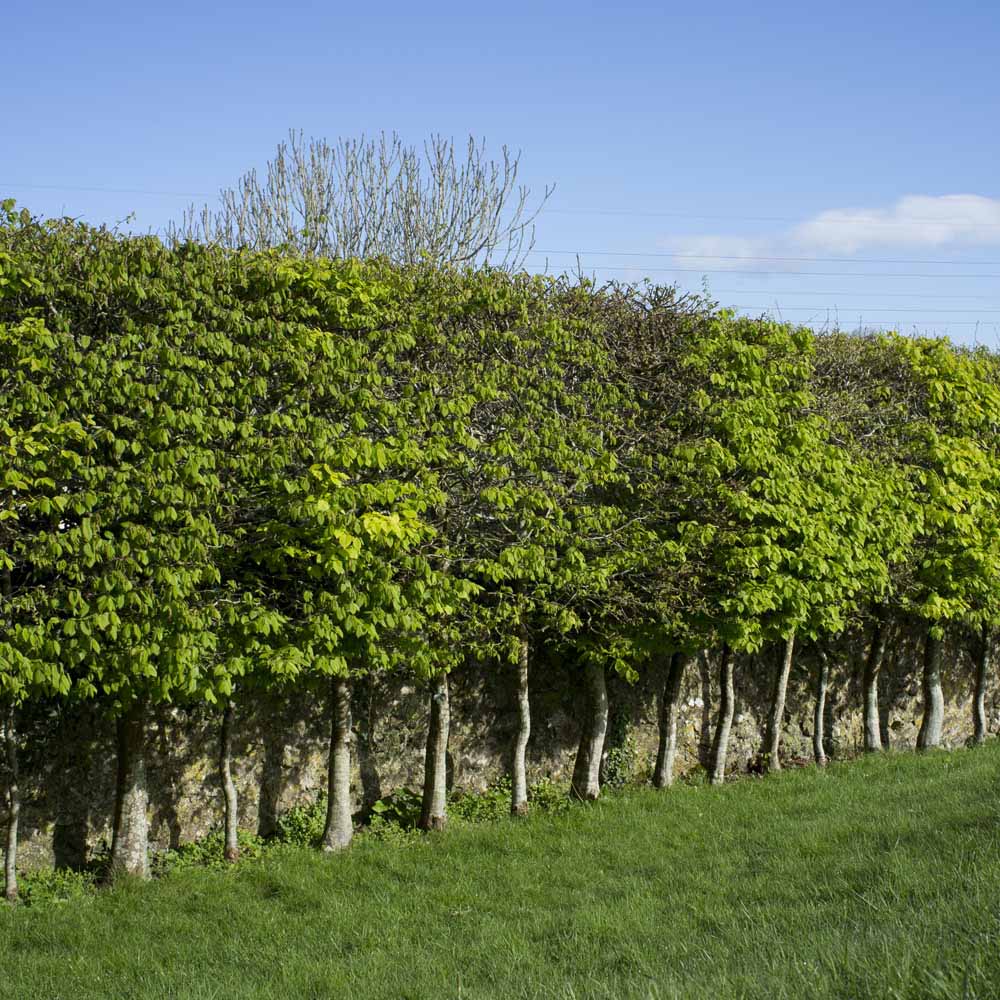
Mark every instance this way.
x=730 y=253
x=914 y=221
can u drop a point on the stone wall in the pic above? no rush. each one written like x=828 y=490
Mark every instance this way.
x=68 y=766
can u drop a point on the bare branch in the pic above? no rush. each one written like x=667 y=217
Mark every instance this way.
x=376 y=198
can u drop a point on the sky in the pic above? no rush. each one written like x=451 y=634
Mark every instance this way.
x=828 y=164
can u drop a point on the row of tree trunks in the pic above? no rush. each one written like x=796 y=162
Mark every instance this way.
x=586 y=783
x=129 y=848
x=13 y=807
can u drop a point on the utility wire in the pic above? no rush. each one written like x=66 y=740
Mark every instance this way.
x=855 y=309
x=762 y=257
x=555 y=211
x=834 y=315
x=106 y=190
x=854 y=220
x=821 y=274
x=792 y=292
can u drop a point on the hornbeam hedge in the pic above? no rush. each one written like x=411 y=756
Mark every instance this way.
x=228 y=470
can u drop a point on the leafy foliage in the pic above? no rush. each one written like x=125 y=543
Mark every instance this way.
x=222 y=468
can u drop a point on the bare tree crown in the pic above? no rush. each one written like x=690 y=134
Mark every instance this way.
x=376 y=197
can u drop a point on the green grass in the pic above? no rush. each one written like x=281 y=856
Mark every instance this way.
x=875 y=879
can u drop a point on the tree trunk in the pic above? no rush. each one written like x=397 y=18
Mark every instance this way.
x=231 y=847
x=772 y=742
x=985 y=654
x=727 y=706
x=819 y=710
x=587 y=769
x=887 y=696
x=130 y=839
x=365 y=700
x=519 y=777
x=666 y=752
x=433 y=813
x=339 y=828
x=705 y=729
x=873 y=664
x=13 y=809
x=930 y=726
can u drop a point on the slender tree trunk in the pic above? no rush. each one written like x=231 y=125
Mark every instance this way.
x=930 y=726
x=366 y=702
x=727 y=706
x=519 y=777
x=666 y=752
x=13 y=808
x=887 y=696
x=873 y=664
x=433 y=813
x=587 y=769
x=231 y=846
x=705 y=730
x=130 y=840
x=983 y=658
x=339 y=827
x=13 y=792
x=819 y=710
x=772 y=742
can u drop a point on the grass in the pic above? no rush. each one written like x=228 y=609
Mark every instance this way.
x=877 y=878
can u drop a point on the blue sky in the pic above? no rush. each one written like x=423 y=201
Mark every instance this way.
x=847 y=153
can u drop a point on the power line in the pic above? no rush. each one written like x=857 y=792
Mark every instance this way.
x=107 y=190
x=556 y=211
x=801 y=260
x=820 y=274
x=792 y=292
x=771 y=218
x=854 y=309
x=936 y=323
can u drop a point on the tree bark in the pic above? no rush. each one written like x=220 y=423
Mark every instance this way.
x=365 y=700
x=869 y=684
x=706 y=731
x=819 y=710
x=339 y=827
x=930 y=726
x=983 y=659
x=130 y=839
x=519 y=777
x=433 y=813
x=772 y=742
x=727 y=706
x=231 y=846
x=666 y=751
x=887 y=696
x=587 y=768
x=13 y=809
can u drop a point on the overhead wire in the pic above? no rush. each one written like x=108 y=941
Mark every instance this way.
x=825 y=274
x=875 y=221
x=853 y=220
x=685 y=255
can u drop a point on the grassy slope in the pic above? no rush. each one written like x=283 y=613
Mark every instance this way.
x=879 y=878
